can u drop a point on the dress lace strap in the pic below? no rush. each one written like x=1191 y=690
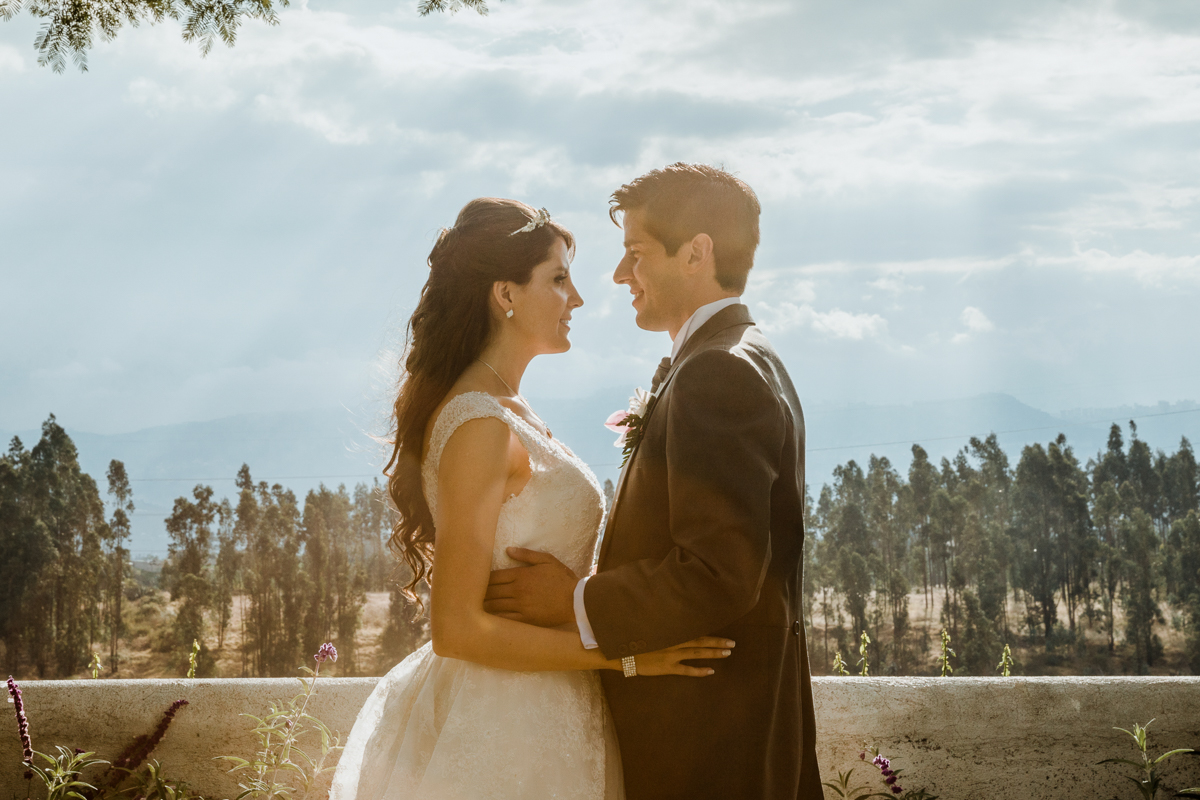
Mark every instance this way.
x=461 y=409
x=477 y=405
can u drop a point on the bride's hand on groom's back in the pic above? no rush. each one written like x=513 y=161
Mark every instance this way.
x=669 y=661
x=541 y=594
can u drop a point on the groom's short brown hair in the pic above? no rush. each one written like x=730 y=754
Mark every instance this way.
x=682 y=201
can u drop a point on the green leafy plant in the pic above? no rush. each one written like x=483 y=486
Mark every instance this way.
x=1148 y=778
x=95 y=666
x=1006 y=663
x=944 y=658
x=842 y=788
x=191 y=673
x=61 y=773
x=863 y=642
x=281 y=768
x=839 y=666
x=149 y=784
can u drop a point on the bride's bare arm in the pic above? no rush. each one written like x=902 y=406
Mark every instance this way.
x=475 y=468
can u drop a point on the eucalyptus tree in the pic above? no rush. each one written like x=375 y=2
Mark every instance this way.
x=187 y=571
x=1185 y=534
x=922 y=484
x=1180 y=483
x=267 y=520
x=1037 y=521
x=1139 y=544
x=51 y=528
x=118 y=532
x=26 y=553
x=852 y=541
x=887 y=521
x=226 y=569
x=335 y=578
x=370 y=521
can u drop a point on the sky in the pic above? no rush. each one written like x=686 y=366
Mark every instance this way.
x=958 y=198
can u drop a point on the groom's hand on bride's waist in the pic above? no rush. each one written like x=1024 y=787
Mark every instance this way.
x=539 y=594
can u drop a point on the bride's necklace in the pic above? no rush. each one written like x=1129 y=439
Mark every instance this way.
x=517 y=394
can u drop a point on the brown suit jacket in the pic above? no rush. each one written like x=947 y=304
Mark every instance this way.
x=706 y=537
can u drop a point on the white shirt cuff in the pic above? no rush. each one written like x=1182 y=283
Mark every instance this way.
x=581 y=621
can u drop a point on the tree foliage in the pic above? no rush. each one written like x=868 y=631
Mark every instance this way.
x=69 y=27
x=52 y=579
x=291 y=575
x=1120 y=533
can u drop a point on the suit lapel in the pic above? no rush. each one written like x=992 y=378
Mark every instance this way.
x=724 y=319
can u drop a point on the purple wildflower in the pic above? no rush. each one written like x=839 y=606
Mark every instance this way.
x=327 y=653
x=891 y=777
x=14 y=692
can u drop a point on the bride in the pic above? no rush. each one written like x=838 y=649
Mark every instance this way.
x=491 y=708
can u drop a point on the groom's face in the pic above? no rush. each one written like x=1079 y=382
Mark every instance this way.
x=652 y=276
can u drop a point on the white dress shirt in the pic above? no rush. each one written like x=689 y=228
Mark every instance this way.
x=700 y=316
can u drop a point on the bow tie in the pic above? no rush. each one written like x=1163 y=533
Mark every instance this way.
x=663 y=367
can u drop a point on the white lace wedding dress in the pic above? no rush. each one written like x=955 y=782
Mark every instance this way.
x=439 y=728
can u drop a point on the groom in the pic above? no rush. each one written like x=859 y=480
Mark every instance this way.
x=706 y=533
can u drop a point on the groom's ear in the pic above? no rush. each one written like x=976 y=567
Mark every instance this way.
x=700 y=254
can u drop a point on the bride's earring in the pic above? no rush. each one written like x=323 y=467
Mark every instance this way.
x=509 y=314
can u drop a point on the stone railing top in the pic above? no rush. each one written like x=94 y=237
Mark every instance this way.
x=960 y=737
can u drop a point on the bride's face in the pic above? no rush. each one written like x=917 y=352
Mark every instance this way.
x=542 y=308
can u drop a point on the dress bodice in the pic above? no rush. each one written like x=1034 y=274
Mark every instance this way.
x=442 y=728
x=560 y=509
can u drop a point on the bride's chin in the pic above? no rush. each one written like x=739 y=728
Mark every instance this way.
x=562 y=345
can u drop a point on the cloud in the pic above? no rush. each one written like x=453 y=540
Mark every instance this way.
x=894 y=284
x=330 y=124
x=893 y=272
x=249 y=208
x=836 y=323
x=975 y=321
x=1151 y=268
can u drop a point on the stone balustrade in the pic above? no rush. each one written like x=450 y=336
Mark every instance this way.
x=963 y=738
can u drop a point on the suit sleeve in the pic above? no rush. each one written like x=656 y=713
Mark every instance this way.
x=724 y=435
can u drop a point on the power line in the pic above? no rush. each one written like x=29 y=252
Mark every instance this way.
x=267 y=478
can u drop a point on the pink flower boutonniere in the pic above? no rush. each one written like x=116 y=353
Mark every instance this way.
x=629 y=422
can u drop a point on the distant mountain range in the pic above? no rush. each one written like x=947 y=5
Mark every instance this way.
x=302 y=450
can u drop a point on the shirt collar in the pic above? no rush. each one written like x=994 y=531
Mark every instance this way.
x=700 y=316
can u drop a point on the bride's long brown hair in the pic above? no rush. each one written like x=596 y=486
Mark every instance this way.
x=447 y=331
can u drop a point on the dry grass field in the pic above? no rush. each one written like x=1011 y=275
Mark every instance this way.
x=143 y=653
x=1088 y=655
